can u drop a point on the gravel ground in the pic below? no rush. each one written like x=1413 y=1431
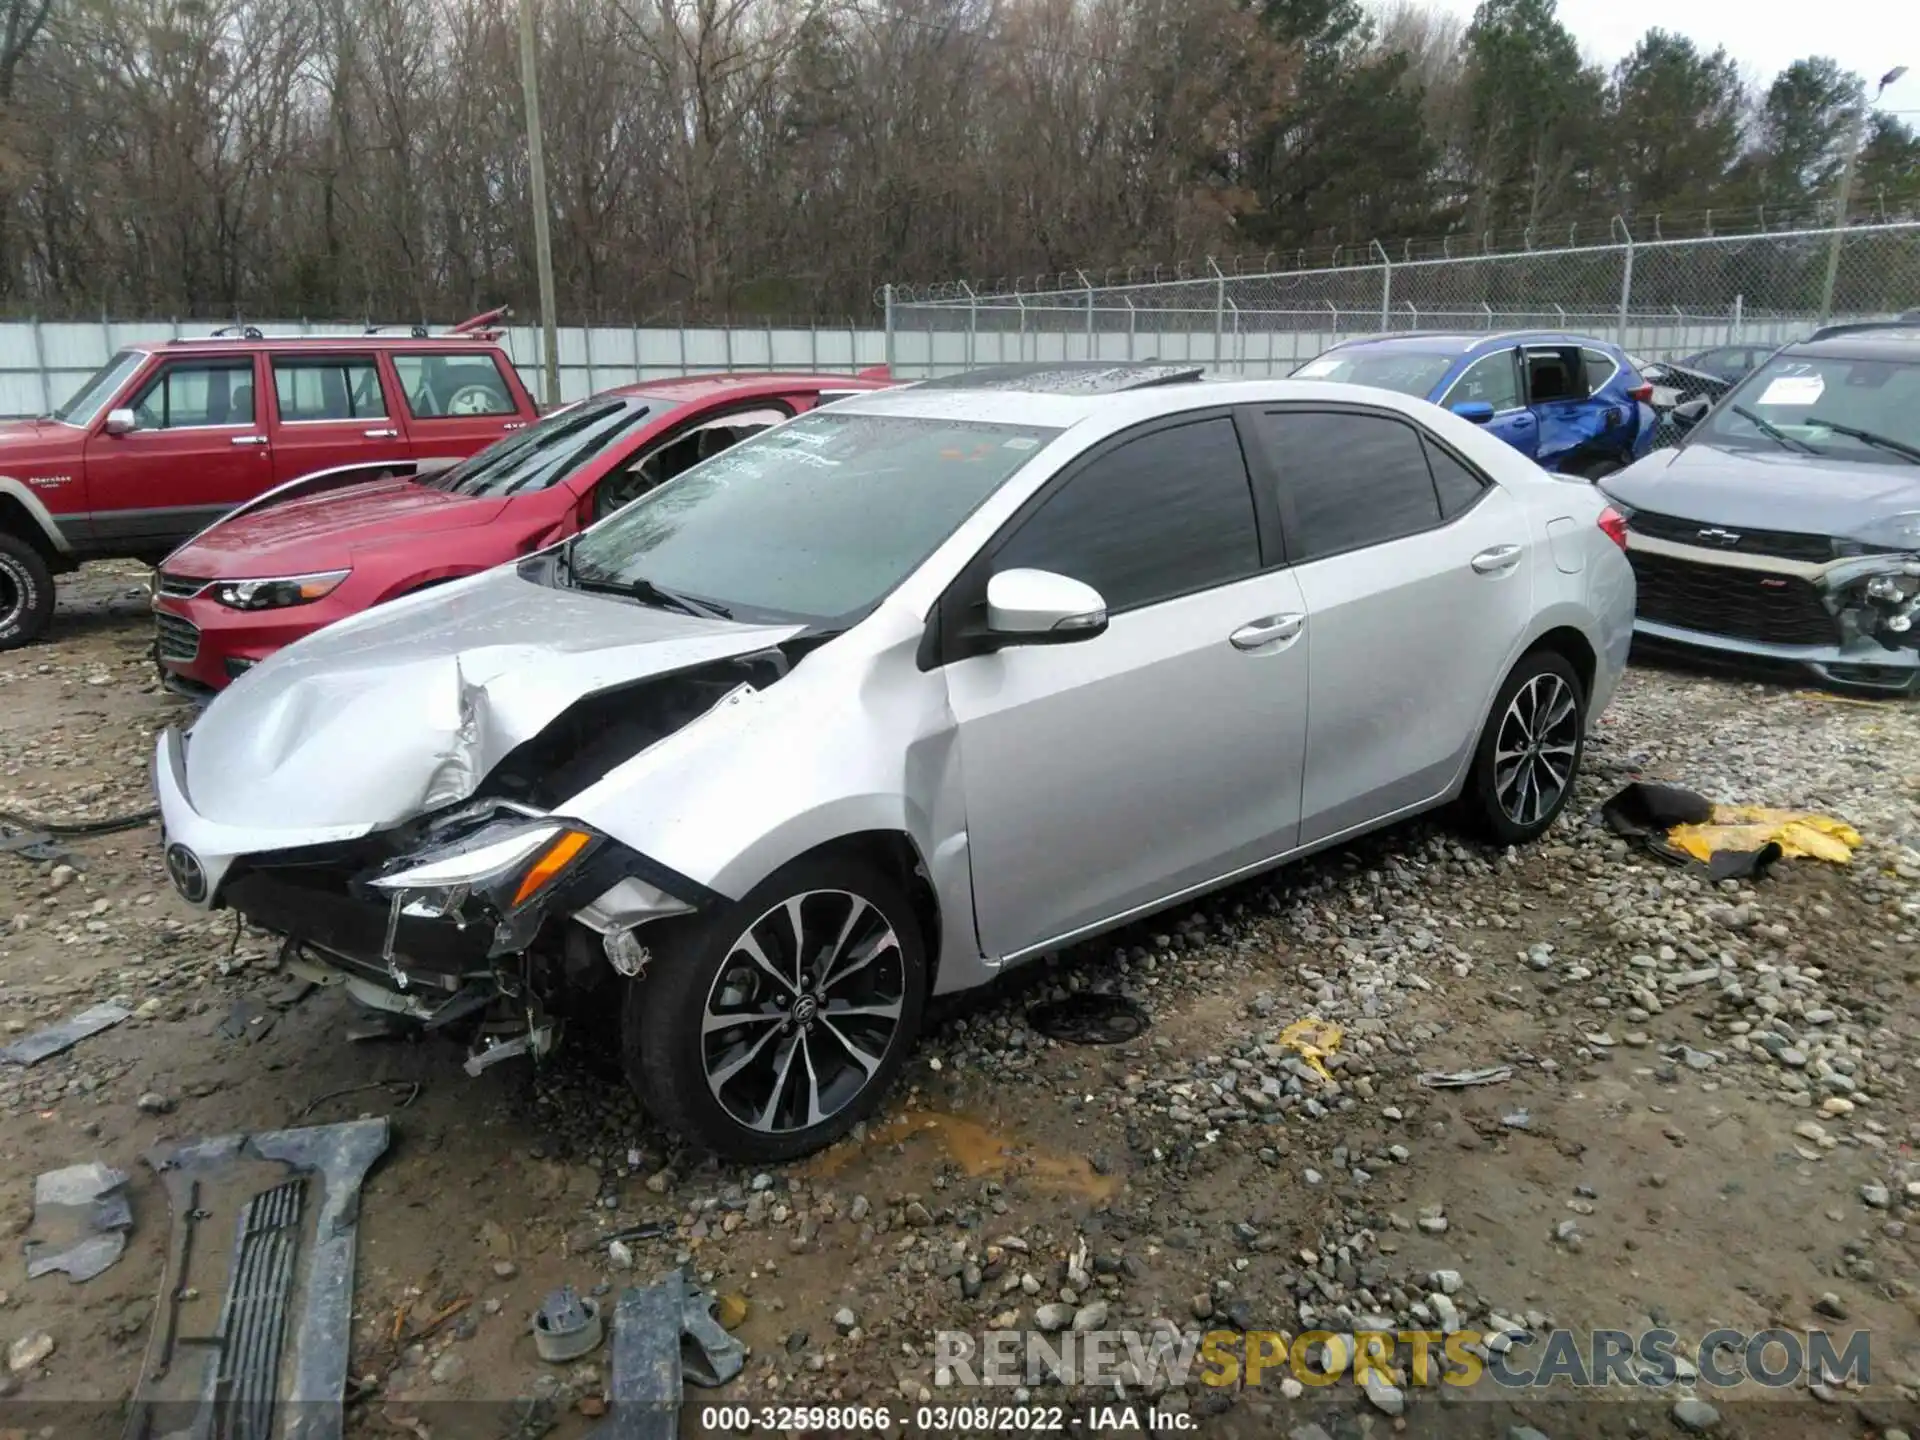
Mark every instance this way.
x=1710 y=1119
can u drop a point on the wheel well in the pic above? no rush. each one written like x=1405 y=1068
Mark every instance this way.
x=16 y=520
x=1572 y=647
x=894 y=853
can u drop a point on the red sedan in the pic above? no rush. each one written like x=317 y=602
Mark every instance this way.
x=267 y=575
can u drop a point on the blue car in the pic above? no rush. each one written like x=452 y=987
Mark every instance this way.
x=1574 y=404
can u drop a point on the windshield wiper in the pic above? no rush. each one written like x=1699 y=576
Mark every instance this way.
x=1869 y=437
x=1774 y=432
x=648 y=593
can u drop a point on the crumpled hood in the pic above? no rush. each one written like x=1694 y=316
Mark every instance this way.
x=1767 y=490
x=407 y=707
x=322 y=531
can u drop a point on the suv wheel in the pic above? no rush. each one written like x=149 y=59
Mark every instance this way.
x=772 y=1026
x=26 y=593
x=1530 y=750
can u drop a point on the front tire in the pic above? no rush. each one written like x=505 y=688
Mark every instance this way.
x=770 y=1027
x=26 y=593
x=1530 y=750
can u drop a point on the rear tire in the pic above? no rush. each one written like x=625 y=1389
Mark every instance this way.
x=1530 y=750
x=26 y=593
x=804 y=1062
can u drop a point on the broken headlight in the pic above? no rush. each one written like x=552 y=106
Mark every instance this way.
x=508 y=864
x=278 y=592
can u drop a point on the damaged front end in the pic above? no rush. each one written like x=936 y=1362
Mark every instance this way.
x=491 y=918
x=1876 y=598
x=491 y=913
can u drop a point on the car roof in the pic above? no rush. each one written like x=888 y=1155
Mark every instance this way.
x=1071 y=377
x=1450 y=342
x=694 y=389
x=1865 y=342
x=1058 y=410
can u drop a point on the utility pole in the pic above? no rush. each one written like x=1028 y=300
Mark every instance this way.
x=1856 y=137
x=537 y=173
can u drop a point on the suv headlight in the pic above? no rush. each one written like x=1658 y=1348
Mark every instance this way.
x=278 y=592
x=508 y=864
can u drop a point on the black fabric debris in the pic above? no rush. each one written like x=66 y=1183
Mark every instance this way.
x=1643 y=812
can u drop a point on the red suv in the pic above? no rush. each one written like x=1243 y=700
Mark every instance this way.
x=283 y=568
x=166 y=438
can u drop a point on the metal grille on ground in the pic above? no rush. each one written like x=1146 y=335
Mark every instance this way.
x=1659 y=299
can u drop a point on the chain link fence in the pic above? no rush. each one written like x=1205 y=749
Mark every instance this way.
x=1658 y=299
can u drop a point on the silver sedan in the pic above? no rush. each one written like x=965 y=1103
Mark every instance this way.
x=891 y=697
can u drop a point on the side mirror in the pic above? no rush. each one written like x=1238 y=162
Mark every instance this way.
x=1477 y=411
x=1689 y=413
x=121 y=422
x=1038 y=607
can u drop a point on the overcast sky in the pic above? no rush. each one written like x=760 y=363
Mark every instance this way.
x=1869 y=37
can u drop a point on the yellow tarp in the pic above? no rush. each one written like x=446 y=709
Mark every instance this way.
x=1742 y=828
x=1313 y=1039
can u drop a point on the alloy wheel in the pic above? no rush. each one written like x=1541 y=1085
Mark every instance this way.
x=804 y=1010
x=13 y=595
x=1534 y=750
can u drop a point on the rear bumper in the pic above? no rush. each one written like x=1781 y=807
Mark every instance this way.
x=1864 y=664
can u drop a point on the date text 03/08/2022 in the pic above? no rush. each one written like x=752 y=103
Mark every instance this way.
x=962 y=1419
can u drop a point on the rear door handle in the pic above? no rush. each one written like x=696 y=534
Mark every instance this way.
x=1266 y=631
x=1497 y=561
x=381 y=434
x=249 y=439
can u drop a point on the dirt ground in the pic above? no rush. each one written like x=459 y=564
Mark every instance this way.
x=1644 y=1166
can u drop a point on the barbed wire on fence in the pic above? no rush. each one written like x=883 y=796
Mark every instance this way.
x=1660 y=297
x=1722 y=223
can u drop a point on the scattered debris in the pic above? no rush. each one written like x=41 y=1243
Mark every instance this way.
x=70 y=1032
x=248 y=1020
x=29 y=1351
x=290 y=1199
x=709 y=1356
x=1313 y=1040
x=566 y=1326
x=1460 y=1079
x=81 y=1216
x=1089 y=1018
x=1728 y=841
x=646 y=1386
x=408 y=1090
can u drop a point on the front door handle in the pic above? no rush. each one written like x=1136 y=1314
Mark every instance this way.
x=1497 y=561
x=381 y=434
x=1522 y=420
x=249 y=439
x=1267 y=630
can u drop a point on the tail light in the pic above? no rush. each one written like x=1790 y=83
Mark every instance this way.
x=1641 y=392
x=1614 y=525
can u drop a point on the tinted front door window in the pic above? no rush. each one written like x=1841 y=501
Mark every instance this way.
x=1163 y=515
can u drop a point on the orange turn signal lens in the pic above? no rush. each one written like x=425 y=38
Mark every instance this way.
x=558 y=856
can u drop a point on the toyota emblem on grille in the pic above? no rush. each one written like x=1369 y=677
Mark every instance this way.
x=188 y=874
x=1714 y=535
